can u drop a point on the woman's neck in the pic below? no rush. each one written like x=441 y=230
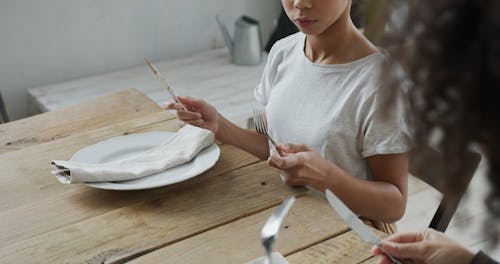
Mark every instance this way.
x=341 y=43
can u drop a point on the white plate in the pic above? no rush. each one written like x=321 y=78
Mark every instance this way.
x=123 y=146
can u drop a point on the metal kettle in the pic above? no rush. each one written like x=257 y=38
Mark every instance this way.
x=246 y=47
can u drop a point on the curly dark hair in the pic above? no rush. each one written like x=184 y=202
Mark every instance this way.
x=450 y=51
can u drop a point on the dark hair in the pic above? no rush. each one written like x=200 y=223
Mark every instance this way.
x=450 y=51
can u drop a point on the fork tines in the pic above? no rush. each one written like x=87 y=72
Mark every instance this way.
x=261 y=124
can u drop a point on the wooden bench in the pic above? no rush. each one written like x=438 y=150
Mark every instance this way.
x=209 y=75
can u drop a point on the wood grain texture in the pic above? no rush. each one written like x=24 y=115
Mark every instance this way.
x=372 y=260
x=181 y=211
x=46 y=204
x=239 y=241
x=345 y=248
x=29 y=169
x=85 y=116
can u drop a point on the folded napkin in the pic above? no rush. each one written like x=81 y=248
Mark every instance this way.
x=180 y=148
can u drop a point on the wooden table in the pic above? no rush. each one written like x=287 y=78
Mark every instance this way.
x=215 y=217
x=209 y=75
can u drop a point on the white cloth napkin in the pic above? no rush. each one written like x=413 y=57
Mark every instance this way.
x=180 y=148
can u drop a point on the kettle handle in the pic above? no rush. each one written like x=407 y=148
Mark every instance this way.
x=225 y=33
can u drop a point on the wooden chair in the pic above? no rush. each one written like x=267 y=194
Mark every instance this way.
x=428 y=165
x=3 y=112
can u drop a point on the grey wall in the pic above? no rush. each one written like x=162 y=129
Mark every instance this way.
x=50 y=41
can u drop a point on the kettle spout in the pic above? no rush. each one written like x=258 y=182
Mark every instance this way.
x=225 y=34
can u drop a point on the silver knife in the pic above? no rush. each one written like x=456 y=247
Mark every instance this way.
x=356 y=225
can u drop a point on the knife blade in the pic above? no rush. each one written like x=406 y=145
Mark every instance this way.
x=164 y=82
x=356 y=224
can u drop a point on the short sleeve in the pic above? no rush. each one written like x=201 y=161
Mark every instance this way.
x=263 y=89
x=386 y=131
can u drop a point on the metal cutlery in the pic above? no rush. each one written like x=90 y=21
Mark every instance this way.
x=356 y=225
x=164 y=82
x=269 y=232
x=261 y=124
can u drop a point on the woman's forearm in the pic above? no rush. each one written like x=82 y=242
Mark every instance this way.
x=245 y=139
x=376 y=200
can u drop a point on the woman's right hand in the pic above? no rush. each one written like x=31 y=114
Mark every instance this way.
x=430 y=247
x=199 y=113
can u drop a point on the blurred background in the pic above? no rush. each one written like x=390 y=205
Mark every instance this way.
x=52 y=41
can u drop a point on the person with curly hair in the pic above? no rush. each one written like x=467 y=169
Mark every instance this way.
x=451 y=55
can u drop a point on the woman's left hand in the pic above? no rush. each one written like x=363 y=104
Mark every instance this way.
x=299 y=165
x=430 y=246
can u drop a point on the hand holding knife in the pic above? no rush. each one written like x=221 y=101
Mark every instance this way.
x=164 y=82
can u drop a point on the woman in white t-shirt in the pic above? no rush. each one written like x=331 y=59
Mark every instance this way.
x=319 y=89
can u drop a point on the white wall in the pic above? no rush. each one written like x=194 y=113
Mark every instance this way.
x=50 y=41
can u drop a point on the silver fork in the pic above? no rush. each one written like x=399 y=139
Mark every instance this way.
x=269 y=232
x=261 y=124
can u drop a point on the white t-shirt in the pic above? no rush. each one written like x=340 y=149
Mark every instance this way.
x=331 y=108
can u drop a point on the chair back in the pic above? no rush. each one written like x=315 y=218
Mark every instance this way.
x=3 y=112
x=428 y=166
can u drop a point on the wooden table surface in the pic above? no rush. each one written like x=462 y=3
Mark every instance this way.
x=215 y=217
